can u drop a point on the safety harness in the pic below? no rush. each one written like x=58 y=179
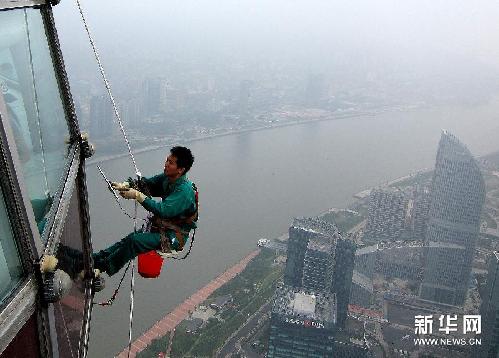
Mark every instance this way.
x=175 y=224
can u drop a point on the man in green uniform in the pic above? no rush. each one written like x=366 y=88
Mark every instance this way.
x=173 y=217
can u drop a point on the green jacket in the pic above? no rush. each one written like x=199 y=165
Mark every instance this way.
x=177 y=199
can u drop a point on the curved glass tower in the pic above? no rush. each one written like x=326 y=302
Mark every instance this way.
x=456 y=200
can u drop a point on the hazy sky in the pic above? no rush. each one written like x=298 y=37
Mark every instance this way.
x=429 y=34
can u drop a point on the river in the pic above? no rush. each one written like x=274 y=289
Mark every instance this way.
x=252 y=185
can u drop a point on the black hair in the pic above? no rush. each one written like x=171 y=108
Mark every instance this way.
x=185 y=159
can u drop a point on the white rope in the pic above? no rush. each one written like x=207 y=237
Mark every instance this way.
x=37 y=108
x=108 y=87
x=137 y=172
x=108 y=183
x=132 y=288
x=66 y=331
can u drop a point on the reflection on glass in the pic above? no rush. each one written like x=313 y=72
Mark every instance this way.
x=34 y=107
x=10 y=264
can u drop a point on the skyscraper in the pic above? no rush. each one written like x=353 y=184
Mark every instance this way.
x=387 y=209
x=419 y=214
x=319 y=259
x=302 y=324
x=319 y=265
x=101 y=117
x=490 y=309
x=456 y=198
x=300 y=233
x=154 y=91
x=342 y=277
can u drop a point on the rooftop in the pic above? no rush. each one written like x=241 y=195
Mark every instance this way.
x=295 y=302
x=320 y=245
x=303 y=304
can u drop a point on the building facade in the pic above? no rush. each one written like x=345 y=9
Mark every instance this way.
x=318 y=265
x=456 y=198
x=342 y=277
x=302 y=324
x=386 y=217
x=101 y=117
x=319 y=259
x=419 y=213
x=490 y=309
x=300 y=233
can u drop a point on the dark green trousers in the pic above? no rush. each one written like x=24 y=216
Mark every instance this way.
x=112 y=259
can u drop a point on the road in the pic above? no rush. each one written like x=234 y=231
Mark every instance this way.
x=233 y=344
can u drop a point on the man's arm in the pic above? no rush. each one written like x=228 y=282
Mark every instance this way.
x=175 y=204
x=155 y=184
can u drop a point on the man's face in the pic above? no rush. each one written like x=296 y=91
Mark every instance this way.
x=171 y=170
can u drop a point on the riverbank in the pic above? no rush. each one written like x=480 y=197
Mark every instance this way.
x=106 y=158
x=172 y=319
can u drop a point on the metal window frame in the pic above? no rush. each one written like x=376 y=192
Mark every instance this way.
x=74 y=178
x=17 y=312
x=79 y=182
x=67 y=181
x=23 y=224
x=22 y=302
x=13 y=4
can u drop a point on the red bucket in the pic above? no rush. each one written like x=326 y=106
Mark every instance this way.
x=150 y=264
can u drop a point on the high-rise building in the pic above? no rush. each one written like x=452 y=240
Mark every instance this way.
x=456 y=198
x=320 y=259
x=318 y=265
x=300 y=234
x=490 y=309
x=386 y=217
x=101 y=117
x=302 y=324
x=342 y=277
x=132 y=112
x=154 y=92
x=419 y=213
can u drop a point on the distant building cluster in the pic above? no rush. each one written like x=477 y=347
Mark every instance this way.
x=417 y=258
x=443 y=218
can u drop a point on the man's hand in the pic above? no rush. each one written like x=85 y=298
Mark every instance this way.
x=133 y=194
x=120 y=186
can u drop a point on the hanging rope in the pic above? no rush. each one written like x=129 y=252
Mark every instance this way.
x=132 y=288
x=189 y=250
x=110 y=301
x=137 y=172
x=108 y=87
x=109 y=186
x=37 y=109
x=132 y=291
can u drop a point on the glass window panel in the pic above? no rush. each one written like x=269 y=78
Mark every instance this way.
x=34 y=106
x=10 y=263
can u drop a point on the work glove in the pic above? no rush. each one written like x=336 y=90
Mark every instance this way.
x=120 y=186
x=133 y=194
